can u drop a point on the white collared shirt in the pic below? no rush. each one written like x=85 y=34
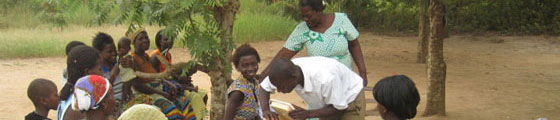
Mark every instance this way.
x=326 y=81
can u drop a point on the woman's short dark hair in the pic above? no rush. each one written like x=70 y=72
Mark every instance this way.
x=244 y=50
x=101 y=39
x=316 y=5
x=79 y=59
x=71 y=45
x=159 y=36
x=397 y=94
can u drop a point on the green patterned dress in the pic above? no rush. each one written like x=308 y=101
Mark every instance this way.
x=333 y=43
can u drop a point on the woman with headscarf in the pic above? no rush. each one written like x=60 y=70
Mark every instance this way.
x=93 y=96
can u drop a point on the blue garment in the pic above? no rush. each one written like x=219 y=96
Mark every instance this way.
x=63 y=106
x=117 y=83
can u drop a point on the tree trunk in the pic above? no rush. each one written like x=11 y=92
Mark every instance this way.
x=225 y=16
x=424 y=32
x=436 y=64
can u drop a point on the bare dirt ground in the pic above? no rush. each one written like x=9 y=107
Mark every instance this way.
x=488 y=77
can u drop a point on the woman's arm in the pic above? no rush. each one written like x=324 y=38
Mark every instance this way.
x=283 y=53
x=155 y=63
x=234 y=101
x=140 y=87
x=356 y=51
x=114 y=73
x=143 y=88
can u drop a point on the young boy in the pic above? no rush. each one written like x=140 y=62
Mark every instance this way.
x=330 y=89
x=397 y=97
x=43 y=94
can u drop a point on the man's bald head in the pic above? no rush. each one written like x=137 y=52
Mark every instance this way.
x=281 y=68
x=284 y=75
x=40 y=88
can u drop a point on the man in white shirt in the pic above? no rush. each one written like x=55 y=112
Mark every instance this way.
x=328 y=87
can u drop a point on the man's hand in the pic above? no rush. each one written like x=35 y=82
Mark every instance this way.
x=268 y=115
x=299 y=113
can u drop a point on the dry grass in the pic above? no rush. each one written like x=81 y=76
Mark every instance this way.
x=43 y=42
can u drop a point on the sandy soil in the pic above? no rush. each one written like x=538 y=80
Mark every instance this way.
x=488 y=77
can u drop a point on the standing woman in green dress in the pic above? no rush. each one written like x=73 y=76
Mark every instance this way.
x=330 y=35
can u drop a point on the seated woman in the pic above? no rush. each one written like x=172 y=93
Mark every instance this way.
x=182 y=79
x=151 y=90
x=94 y=97
x=242 y=94
x=163 y=45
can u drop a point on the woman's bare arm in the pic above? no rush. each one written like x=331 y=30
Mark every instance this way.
x=356 y=51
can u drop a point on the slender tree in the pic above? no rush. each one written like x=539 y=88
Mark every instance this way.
x=424 y=31
x=436 y=64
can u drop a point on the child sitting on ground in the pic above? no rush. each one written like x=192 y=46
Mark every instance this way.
x=242 y=102
x=397 y=97
x=43 y=94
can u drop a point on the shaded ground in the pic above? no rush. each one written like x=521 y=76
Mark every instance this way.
x=488 y=77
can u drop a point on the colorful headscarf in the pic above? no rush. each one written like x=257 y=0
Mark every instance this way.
x=89 y=91
x=133 y=36
x=142 y=112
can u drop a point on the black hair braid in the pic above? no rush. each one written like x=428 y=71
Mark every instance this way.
x=79 y=59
